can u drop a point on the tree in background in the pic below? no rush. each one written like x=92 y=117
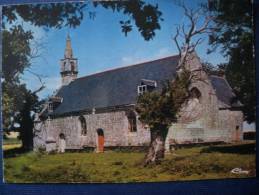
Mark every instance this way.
x=233 y=33
x=19 y=103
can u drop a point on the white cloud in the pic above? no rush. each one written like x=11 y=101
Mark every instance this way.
x=137 y=58
x=38 y=32
x=163 y=52
x=127 y=60
x=51 y=84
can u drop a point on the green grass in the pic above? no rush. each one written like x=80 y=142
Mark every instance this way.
x=206 y=162
x=11 y=141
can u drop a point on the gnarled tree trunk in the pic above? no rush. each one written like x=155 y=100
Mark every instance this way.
x=156 y=149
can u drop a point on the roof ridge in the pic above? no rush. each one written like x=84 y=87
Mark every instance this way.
x=122 y=67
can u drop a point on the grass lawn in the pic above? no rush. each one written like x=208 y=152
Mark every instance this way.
x=204 y=162
x=11 y=143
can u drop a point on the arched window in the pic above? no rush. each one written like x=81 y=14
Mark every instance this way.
x=132 y=120
x=83 y=125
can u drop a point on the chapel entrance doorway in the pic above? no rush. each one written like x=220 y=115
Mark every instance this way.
x=100 y=140
x=62 y=143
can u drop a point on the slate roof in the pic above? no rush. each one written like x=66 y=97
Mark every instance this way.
x=114 y=87
x=118 y=87
x=224 y=92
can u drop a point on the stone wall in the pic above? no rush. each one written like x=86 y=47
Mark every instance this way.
x=227 y=128
x=113 y=124
x=232 y=121
x=202 y=120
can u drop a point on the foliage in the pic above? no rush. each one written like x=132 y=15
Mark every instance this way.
x=233 y=32
x=58 y=15
x=16 y=58
x=19 y=111
x=16 y=52
x=145 y=15
x=47 y=15
x=7 y=111
x=161 y=108
x=16 y=97
x=13 y=96
x=206 y=162
x=211 y=69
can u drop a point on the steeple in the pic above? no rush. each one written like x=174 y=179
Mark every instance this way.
x=68 y=65
x=68 y=50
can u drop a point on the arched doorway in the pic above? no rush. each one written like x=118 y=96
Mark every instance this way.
x=100 y=140
x=62 y=143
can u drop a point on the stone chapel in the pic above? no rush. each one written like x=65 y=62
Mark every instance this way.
x=97 y=111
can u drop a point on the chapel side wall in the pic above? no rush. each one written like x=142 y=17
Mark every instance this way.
x=114 y=125
x=232 y=121
x=223 y=129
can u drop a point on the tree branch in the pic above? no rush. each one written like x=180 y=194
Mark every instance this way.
x=176 y=41
x=39 y=78
x=189 y=31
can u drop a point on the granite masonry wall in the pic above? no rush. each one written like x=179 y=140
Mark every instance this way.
x=114 y=125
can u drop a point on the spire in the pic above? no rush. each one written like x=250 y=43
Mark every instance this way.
x=68 y=65
x=68 y=50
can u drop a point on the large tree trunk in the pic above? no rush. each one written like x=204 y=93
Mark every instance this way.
x=26 y=129
x=156 y=149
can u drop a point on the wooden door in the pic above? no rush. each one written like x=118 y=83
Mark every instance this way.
x=100 y=143
x=100 y=140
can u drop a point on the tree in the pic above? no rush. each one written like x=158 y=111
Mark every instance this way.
x=26 y=118
x=191 y=32
x=160 y=109
x=16 y=57
x=233 y=33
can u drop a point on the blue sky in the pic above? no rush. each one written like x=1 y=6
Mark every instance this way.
x=99 y=45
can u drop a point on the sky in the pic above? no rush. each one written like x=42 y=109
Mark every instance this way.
x=100 y=45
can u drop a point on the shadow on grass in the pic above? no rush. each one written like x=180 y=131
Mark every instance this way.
x=14 y=152
x=234 y=149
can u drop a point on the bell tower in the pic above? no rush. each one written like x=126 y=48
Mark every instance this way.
x=68 y=65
